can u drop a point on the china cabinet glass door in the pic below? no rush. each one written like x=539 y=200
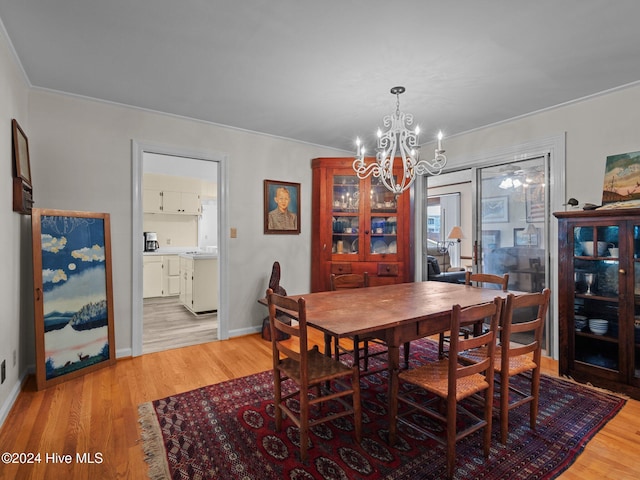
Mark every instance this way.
x=346 y=215
x=383 y=220
x=598 y=318
x=363 y=227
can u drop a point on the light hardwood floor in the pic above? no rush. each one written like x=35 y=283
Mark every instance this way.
x=97 y=413
x=168 y=324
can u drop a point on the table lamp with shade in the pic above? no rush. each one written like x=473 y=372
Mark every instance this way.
x=455 y=236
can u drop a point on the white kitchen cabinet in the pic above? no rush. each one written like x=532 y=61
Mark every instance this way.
x=152 y=276
x=171 y=194
x=161 y=276
x=151 y=201
x=186 y=270
x=199 y=282
x=186 y=203
x=170 y=275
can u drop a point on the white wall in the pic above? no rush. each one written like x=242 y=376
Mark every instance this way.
x=595 y=128
x=16 y=320
x=82 y=161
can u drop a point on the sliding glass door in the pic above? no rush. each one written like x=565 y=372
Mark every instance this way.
x=511 y=234
x=503 y=210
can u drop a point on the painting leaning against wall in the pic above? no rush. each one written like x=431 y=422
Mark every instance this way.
x=72 y=294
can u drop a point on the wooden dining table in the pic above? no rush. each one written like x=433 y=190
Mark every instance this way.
x=395 y=314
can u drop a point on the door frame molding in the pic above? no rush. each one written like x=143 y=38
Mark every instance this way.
x=138 y=149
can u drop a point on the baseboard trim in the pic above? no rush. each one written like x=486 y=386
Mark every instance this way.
x=13 y=396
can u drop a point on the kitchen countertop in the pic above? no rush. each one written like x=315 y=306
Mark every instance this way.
x=191 y=252
x=198 y=255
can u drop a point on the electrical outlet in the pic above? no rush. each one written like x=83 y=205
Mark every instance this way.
x=168 y=241
x=3 y=371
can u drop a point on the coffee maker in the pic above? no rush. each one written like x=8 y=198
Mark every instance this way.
x=150 y=241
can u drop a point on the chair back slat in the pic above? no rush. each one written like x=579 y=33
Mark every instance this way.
x=480 y=279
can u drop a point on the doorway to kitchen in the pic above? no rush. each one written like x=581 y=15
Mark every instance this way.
x=179 y=295
x=180 y=269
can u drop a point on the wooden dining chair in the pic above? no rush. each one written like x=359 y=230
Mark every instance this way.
x=318 y=378
x=523 y=315
x=485 y=280
x=450 y=381
x=354 y=280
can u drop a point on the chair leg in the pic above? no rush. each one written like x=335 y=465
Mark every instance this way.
x=356 y=351
x=441 y=346
x=535 y=391
x=277 y=398
x=407 y=347
x=366 y=356
x=451 y=437
x=304 y=425
x=488 y=417
x=357 y=408
x=504 y=408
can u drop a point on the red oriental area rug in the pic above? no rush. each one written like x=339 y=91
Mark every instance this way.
x=226 y=431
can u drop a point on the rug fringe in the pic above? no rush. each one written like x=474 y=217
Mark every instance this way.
x=152 y=443
x=591 y=386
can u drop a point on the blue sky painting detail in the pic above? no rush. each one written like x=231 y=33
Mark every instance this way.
x=75 y=293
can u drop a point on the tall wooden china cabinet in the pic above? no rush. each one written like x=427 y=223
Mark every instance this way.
x=358 y=226
x=599 y=298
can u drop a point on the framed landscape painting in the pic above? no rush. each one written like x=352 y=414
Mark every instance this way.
x=73 y=294
x=621 y=187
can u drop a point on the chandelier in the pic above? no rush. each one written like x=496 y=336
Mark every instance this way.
x=398 y=141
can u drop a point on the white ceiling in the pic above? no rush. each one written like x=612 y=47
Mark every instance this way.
x=321 y=71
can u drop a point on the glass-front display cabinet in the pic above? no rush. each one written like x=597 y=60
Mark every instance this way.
x=358 y=226
x=599 y=298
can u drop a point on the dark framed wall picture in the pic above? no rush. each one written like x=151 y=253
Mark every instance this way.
x=281 y=207
x=73 y=294
x=21 y=153
x=525 y=237
x=22 y=184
